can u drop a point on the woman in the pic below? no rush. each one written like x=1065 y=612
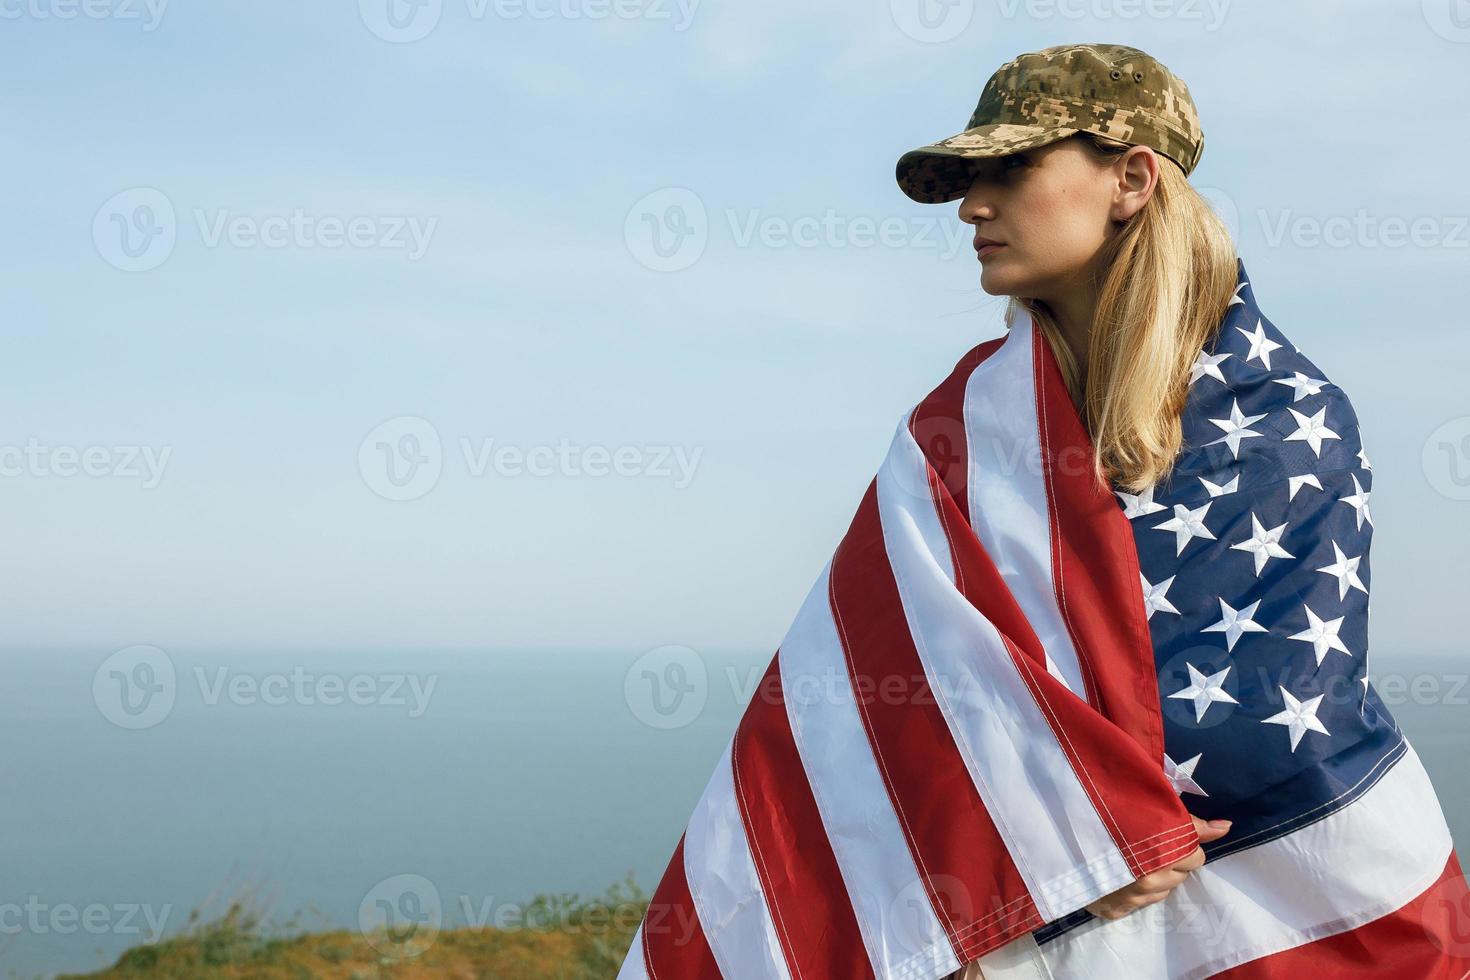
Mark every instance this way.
x=1082 y=693
x=1127 y=272
x=1086 y=229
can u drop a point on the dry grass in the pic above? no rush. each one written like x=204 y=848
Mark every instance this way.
x=566 y=938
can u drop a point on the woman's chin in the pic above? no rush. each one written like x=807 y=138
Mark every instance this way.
x=999 y=282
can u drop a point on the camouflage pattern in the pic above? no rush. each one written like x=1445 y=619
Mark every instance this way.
x=1043 y=96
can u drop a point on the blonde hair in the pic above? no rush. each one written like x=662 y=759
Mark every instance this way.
x=1170 y=273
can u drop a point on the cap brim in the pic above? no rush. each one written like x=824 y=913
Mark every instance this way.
x=942 y=171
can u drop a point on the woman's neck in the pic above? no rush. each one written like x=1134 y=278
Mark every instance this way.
x=1072 y=313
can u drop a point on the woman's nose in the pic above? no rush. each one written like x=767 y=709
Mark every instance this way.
x=975 y=207
x=977 y=204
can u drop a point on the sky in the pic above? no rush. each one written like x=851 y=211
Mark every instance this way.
x=583 y=324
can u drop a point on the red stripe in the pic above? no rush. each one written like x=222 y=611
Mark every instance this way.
x=965 y=867
x=1128 y=788
x=1427 y=939
x=1135 y=800
x=674 y=946
x=798 y=872
x=976 y=890
x=1095 y=569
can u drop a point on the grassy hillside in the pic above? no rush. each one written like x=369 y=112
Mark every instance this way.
x=566 y=938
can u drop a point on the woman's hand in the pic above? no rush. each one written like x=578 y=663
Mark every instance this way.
x=1155 y=887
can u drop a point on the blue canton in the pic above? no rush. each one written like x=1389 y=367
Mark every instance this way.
x=1254 y=559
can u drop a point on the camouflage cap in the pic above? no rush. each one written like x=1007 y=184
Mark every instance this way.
x=1043 y=96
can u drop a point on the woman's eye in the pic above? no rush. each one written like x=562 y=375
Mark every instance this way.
x=1001 y=168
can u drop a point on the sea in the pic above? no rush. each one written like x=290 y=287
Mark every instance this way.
x=335 y=789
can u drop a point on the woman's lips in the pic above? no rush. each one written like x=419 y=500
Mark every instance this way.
x=985 y=250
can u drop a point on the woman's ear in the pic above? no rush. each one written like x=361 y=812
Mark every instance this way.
x=1137 y=173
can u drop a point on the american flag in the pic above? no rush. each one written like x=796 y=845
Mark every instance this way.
x=1011 y=686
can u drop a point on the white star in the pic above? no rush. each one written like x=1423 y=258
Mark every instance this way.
x=1207 y=364
x=1261 y=345
x=1346 y=571
x=1204 y=691
x=1313 y=429
x=1235 y=427
x=1139 y=504
x=1358 y=501
x=1364 y=457
x=1186 y=524
x=1263 y=544
x=1301 y=385
x=1181 y=774
x=1322 y=634
x=1233 y=622
x=1236 y=298
x=1154 y=596
x=1298 y=717
x=1217 y=490
x=1294 y=483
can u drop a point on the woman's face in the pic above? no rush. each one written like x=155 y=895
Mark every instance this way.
x=1053 y=207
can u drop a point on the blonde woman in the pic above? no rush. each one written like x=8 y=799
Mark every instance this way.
x=1073 y=172
x=1082 y=693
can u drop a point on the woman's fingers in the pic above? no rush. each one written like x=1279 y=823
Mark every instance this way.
x=1156 y=886
x=1213 y=830
x=1163 y=880
x=1190 y=861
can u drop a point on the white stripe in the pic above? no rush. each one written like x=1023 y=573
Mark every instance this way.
x=1019 y=959
x=633 y=967
x=723 y=883
x=1008 y=499
x=900 y=929
x=1053 y=831
x=1369 y=858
